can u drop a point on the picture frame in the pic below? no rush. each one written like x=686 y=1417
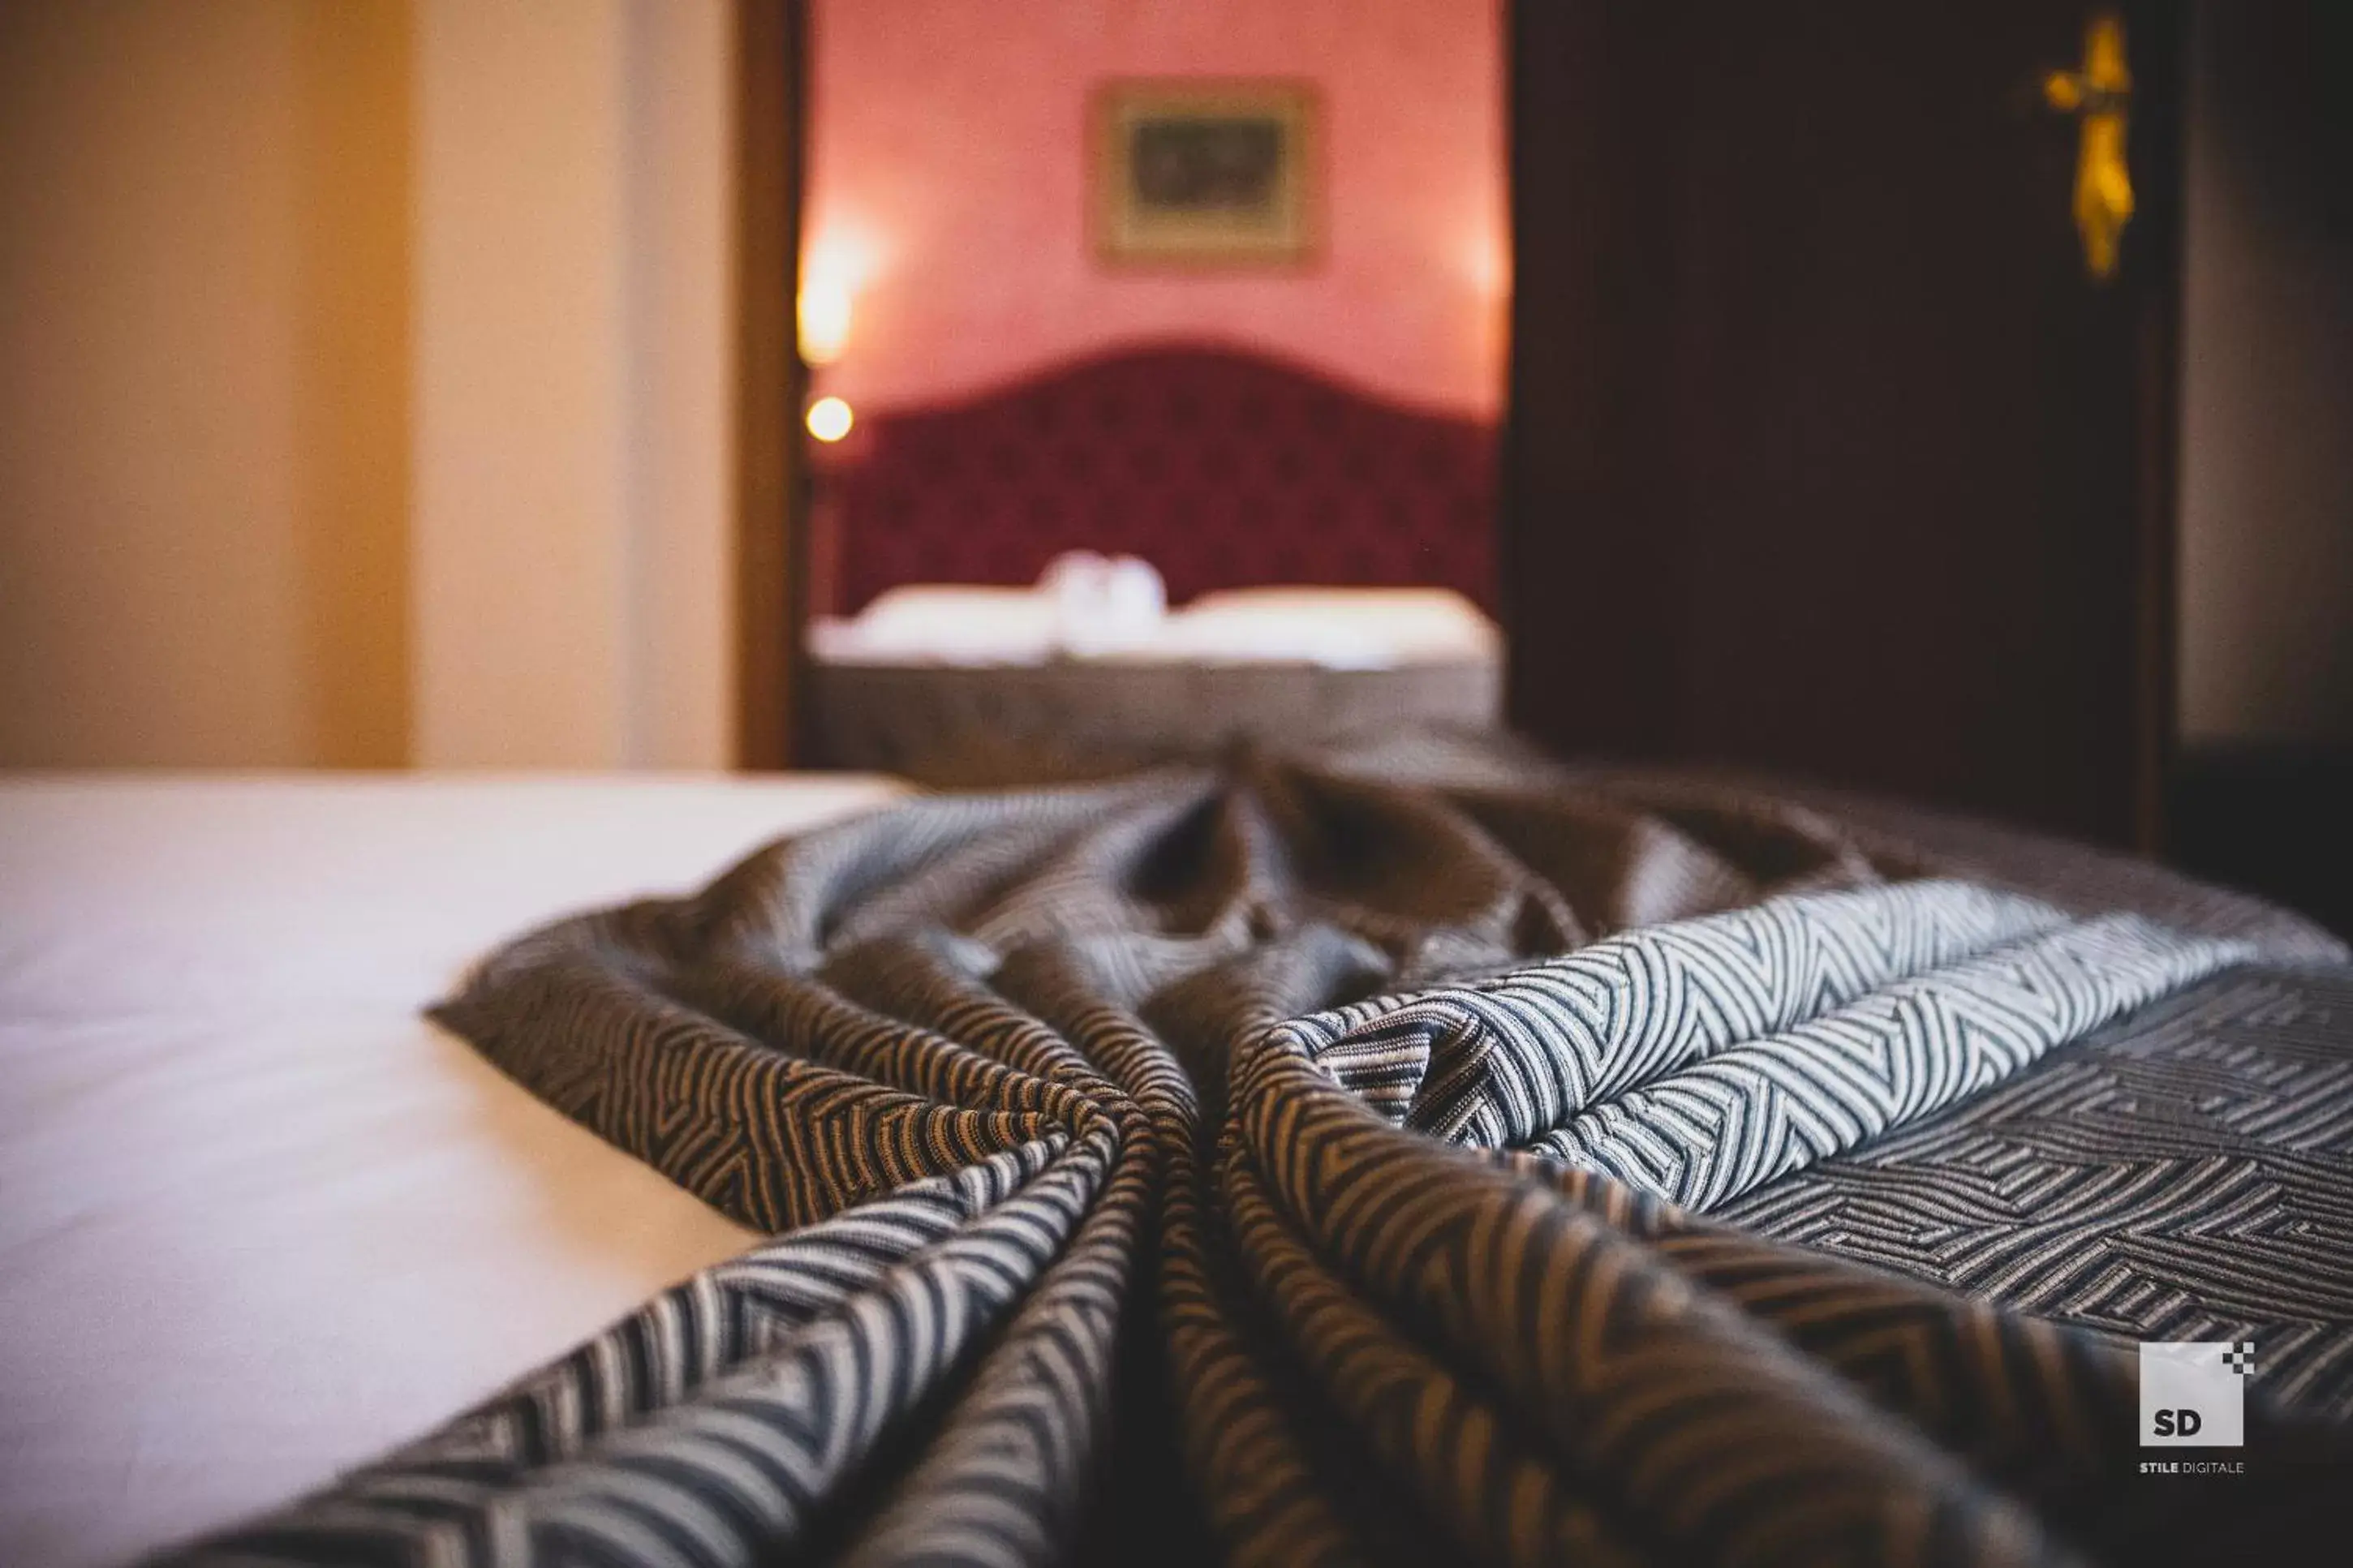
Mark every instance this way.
x=1208 y=173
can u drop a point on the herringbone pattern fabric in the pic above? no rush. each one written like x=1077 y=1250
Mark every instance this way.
x=1295 y=1165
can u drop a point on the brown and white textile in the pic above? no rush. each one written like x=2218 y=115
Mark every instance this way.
x=1294 y=1164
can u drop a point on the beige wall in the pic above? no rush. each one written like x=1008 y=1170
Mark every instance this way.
x=202 y=382
x=569 y=539
x=681 y=221
x=364 y=383
x=519 y=538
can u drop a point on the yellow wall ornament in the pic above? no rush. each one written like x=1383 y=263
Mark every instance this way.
x=2098 y=95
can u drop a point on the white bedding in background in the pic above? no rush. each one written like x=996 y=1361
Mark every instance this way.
x=1335 y=628
x=1340 y=628
x=258 y=1219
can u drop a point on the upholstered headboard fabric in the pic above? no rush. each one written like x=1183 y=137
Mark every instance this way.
x=1222 y=468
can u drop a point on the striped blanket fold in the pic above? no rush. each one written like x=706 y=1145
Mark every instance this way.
x=1290 y=1165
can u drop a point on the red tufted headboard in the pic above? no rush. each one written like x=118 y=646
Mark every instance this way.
x=1222 y=468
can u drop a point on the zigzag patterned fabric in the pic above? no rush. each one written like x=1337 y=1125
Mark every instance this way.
x=1698 y=1060
x=1296 y=1164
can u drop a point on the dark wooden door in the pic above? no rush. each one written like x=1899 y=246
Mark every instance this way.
x=1828 y=456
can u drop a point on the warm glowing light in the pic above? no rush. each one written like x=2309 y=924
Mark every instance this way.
x=1488 y=264
x=824 y=320
x=841 y=258
x=829 y=419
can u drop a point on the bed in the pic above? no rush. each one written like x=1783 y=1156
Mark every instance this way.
x=956 y=685
x=260 y=1219
x=1414 y=1152
x=1328 y=553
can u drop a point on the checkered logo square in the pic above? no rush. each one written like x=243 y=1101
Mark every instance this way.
x=2241 y=1358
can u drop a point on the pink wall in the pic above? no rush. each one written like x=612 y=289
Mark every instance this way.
x=948 y=190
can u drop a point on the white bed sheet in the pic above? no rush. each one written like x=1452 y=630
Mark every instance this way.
x=1337 y=628
x=258 y=1219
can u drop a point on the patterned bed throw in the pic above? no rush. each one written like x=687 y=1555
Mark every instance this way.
x=1329 y=1164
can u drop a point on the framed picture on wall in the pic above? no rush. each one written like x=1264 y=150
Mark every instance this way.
x=1198 y=173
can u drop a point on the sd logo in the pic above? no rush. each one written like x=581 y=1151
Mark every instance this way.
x=2193 y=1392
